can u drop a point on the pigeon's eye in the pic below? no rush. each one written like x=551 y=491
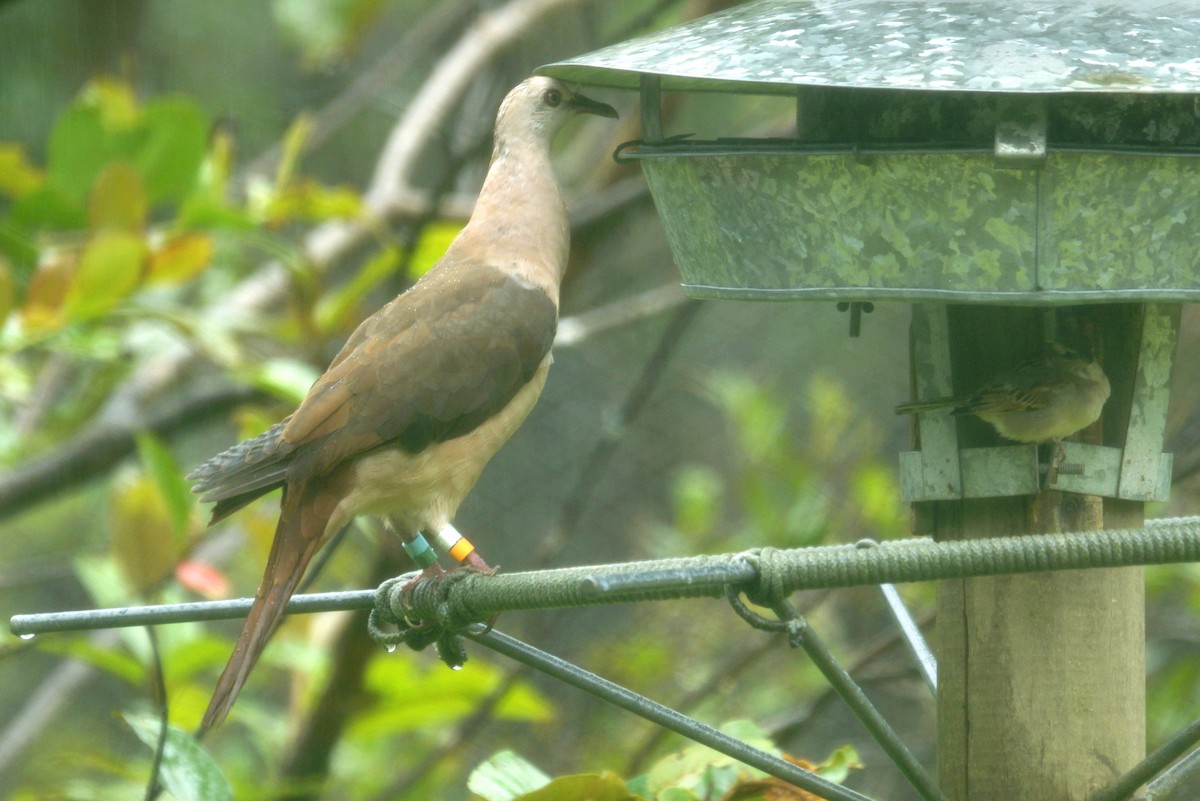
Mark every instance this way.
x=552 y=97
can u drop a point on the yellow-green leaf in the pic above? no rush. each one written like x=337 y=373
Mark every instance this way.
x=837 y=766
x=309 y=201
x=606 y=786
x=48 y=290
x=141 y=534
x=289 y=379
x=336 y=308
x=114 y=661
x=17 y=175
x=435 y=238
x=160 y=466
x=117 y=199
x=6 y=290
x=114 y=100
x=180 y=258
x=293 y=146
x=109 y=270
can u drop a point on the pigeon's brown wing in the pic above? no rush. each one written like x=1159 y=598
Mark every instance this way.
x=430 y=366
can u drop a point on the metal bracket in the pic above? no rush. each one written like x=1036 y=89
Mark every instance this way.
x=651 y=103
x=1021 y=135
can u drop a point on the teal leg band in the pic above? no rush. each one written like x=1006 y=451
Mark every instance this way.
x=419 y=551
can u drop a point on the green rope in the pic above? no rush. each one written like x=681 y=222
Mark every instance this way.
x=773 y=573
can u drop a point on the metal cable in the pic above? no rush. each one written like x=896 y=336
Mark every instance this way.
x=472 y=597
x=664 y=716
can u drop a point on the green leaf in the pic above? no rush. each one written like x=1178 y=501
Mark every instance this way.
x=837 y=766
x=698 y=493
x=48 y=208
x=706 y=773
x=166 y=142
x=17 y=243
x=335 y=308
x=140 y=534
x=171 y=147
x=605 y=786
x=117 y=199
x=6 y=290
x=188 y=772
x=110 y=269
x=17 y=175
x=102 y=579
x=114 y=661
x=160 y=465
x=308 y=201
x=288 y=379
x=78 y=150
x=414 y=696
x=504 y=777
x=435 y=238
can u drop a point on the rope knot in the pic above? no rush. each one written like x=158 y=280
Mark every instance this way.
x=414 y=610
x=770 y=565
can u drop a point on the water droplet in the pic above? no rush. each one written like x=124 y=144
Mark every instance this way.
x=28 y=636
x=391 y=649
x=456 y=667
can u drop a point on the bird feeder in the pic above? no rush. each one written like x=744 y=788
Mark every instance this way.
x=1031 y=153
x=1022 y=166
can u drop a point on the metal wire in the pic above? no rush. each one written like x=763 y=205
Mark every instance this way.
x=477 y=597
x=767 y=573
x=88 y=619
x=662 y=715
x=1172 y=783
x=921 y=653
x=854 y=697
x=1152 y=765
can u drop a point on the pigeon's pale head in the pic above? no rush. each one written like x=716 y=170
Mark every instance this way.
x=542 y=105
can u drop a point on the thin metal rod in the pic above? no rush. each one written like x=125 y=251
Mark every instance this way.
x=664 y=716
x=845 y=686
x=734 y=146
x=922 y=655
x=1153 y=764
x=651 y=91
x=1182 y=774
x=86 y=619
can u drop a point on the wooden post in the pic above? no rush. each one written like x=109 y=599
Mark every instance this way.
x=1041 y=692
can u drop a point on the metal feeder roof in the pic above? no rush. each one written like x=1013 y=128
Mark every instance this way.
x=1028 y=152
x=1040 y=46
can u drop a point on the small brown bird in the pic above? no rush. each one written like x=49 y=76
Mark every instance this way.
x=425 y=391
x=1042 y=400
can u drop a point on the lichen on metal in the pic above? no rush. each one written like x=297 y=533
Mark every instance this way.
x=1082 y=228
x=954 y=45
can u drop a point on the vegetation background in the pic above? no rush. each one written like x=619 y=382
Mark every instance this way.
x=198 y=202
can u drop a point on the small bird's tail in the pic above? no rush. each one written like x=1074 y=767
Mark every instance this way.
x=291 y=551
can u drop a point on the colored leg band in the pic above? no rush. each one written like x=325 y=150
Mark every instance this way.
x=453 y=543
x=419 y=551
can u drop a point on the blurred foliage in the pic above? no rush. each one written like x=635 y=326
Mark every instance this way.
x=121 y=237
x=109 y=251
x=794 y=484
x=696 y=773
x=325 y=30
